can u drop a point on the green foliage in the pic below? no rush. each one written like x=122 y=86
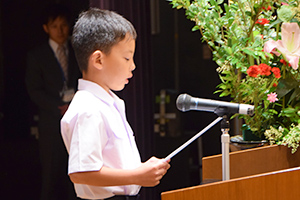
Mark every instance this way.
x=236 y=39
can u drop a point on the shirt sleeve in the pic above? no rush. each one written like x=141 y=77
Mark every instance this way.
x=89 y=137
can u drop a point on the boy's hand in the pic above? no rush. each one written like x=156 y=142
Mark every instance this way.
x=147 y=175
x=152 y=171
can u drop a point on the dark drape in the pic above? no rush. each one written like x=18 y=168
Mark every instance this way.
x=138 y=94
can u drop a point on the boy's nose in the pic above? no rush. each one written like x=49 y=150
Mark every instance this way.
x=133 y=66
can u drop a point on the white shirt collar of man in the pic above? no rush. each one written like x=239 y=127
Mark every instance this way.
x=54 y=46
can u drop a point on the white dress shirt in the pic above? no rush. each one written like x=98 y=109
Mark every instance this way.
x=96 y=133
x=54 y=47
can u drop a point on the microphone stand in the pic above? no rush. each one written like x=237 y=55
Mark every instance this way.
x=225 y=140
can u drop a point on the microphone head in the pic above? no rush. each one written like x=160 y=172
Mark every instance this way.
x=246 y=109
x=183 y=102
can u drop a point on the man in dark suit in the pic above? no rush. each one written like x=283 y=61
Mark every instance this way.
x=51 y=81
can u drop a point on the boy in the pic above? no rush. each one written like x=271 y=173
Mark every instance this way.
x=103 y=158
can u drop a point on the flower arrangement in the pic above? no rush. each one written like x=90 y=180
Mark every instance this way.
x=256 y=44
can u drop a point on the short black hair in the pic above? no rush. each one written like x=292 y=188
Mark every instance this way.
x=52 y=11
x=98 y=29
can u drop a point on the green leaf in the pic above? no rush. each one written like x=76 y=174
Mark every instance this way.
x=195 y=28
x=213 y=2
x=288 y=110
x=248 y=51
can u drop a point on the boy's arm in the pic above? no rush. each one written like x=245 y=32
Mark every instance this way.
x=147 y=175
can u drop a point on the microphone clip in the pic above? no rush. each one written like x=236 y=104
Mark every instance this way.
x=222 y=111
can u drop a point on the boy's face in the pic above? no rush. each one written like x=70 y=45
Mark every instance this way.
x=57 y=29
x=118 y=65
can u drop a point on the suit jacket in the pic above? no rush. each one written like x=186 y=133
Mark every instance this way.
x=44 y=78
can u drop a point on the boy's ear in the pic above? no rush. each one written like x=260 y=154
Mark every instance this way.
x=97 y=59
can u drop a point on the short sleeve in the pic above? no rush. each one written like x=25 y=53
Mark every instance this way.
x=88 y=140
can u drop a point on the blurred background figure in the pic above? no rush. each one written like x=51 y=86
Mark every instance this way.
x=51 y=80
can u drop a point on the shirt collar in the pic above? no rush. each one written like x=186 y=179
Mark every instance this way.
x=109 y=98
x=54 y=45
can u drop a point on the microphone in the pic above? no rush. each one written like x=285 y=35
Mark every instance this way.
x=186 y=102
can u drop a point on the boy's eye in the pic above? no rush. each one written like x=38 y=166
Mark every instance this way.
x=127 y=59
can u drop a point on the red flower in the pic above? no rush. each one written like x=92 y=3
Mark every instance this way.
x=262 y=36
x=262 y=21
x=276 y=72
x=283 y=61
x=262 y=69
x=253 y=71
x=268 y=8
x=265 y=69
x=275 y=84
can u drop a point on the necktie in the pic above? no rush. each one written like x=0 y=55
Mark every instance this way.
x=62 y=59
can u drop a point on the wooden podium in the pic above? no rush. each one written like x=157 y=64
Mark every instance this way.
x=263 y=173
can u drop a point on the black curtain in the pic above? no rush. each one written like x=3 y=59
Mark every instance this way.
x=138 y=94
